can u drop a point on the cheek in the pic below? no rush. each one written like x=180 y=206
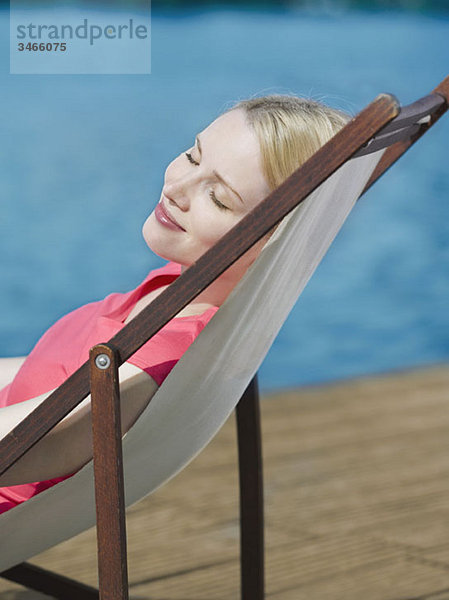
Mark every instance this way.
x=211 y=225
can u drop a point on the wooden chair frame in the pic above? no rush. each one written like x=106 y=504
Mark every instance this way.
x=382 y=124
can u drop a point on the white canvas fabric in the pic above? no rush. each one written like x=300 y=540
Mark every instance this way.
x=206 y=384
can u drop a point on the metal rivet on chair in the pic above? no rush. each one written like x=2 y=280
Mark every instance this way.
x=102 y=361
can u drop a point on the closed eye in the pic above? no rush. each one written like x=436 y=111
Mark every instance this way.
x=220 y=205
x=191 y=159
x=212 y=195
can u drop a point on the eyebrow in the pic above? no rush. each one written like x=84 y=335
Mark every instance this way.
x=217 y=175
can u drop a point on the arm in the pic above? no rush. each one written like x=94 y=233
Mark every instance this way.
x=9 y=368
x=68 y=446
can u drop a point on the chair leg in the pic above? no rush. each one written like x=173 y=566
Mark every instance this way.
x=251 y=494
x=108 y=472
x=52 y=584
x=251 y=520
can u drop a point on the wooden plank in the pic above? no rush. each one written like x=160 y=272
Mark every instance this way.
x=356 y=502
x=51 y=584
x=249 y=441
x=108 y=471
x=395 y=151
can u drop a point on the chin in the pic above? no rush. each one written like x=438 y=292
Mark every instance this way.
x=157 y=241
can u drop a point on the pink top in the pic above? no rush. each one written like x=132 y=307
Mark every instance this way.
x=65 y=347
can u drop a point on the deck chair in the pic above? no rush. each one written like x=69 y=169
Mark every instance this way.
x=193 y=403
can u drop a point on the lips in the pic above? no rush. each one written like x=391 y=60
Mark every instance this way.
x=165 y=218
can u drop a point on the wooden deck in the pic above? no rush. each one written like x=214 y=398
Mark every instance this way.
x=357 y=503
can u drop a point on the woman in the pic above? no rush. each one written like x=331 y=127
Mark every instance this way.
x=235 y=162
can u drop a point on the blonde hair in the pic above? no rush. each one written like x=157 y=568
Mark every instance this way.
x=289 y=129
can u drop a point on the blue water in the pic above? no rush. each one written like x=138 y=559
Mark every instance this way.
x=83 y=157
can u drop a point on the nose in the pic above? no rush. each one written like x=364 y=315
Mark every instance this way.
x=177 y=195
x=175 y=198
x=179 y=186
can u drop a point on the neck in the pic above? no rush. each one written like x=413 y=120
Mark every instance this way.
x=217 y=292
